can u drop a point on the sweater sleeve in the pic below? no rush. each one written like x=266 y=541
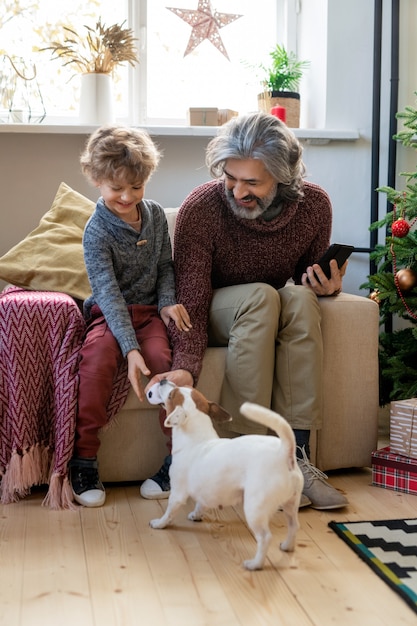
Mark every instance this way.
x=165 y=284
x=105 y=288
x=193 y=253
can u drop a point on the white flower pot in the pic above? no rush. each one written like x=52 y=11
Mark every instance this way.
x=96 y=99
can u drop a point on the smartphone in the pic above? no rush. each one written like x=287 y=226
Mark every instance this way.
x=339 y=251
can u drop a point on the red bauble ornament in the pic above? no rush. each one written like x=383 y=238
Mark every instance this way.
x=400 y=228
x=406 y=279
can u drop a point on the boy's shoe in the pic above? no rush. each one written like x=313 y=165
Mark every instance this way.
x=158 y=486
x=322 y=495
x=86 y=485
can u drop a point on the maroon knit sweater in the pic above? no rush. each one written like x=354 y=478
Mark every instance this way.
x=213 y=248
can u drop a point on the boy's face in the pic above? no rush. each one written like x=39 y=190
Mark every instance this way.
x=121 y=197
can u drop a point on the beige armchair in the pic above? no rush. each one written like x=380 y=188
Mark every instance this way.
x=133 y=447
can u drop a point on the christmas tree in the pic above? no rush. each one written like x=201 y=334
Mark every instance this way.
x=394 y=284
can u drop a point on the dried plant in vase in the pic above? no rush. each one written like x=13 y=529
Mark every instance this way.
x=100 y=51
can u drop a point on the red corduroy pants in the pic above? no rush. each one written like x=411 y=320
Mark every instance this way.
x=100 y=357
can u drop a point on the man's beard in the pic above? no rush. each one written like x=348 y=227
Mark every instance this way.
x=262 y=204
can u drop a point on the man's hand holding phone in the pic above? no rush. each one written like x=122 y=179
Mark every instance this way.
x=325 y=276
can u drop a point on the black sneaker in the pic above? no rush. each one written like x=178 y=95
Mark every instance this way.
x=158 y=486
x=86 y=485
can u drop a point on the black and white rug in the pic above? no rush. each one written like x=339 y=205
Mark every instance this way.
x=389 y=547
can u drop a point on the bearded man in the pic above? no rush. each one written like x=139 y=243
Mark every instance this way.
x=245 y=250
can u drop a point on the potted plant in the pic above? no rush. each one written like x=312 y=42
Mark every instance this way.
x=281 y=80
x=95 y=55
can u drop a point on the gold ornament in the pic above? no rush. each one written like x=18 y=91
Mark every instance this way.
x=406 y=279
x=374 y=296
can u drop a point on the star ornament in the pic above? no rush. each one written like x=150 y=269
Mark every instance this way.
x=205 y=25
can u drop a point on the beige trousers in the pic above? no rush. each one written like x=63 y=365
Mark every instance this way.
x=275 y=352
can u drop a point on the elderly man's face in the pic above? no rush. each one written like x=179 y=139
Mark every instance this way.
x=250 y=188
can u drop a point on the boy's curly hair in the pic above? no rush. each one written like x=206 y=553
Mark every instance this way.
x=117 y=152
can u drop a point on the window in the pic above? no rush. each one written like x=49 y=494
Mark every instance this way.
x=205 y=77
x=165 y=83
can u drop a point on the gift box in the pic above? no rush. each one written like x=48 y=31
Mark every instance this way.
x=209 y=116
x=225 y=115
x=403 y=427
x=394 y=471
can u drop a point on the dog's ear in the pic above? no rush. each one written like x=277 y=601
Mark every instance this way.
x=176 y=417
x=218 y=413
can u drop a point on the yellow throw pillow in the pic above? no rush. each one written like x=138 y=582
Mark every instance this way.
x=51 y=257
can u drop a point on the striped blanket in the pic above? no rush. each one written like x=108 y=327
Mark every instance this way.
x=40 y=338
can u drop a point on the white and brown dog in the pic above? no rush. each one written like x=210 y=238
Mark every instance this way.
x=215 y=472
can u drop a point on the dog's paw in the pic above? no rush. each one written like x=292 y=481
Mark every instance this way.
x=194 y=517
x=287 y=546
x=252 y=564
x=157 y=523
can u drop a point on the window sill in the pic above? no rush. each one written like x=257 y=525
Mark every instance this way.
x=318 y=136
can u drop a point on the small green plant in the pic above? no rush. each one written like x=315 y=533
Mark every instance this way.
x=285 y=71
x=100 y=50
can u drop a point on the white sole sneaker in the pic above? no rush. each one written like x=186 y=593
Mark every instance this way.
x=150 y=490
x=91 y=498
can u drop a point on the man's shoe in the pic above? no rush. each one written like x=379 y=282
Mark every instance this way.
x=322 y=495
x=158 y=486
x=86 y=485
x=304 y=501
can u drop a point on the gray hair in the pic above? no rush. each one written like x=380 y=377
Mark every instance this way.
x=264 y=137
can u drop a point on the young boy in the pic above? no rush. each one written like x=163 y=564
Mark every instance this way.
x=128 y=257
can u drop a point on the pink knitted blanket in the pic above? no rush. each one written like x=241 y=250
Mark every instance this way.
x=40 y=338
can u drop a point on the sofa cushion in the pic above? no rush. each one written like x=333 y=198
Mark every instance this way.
x=51 y=257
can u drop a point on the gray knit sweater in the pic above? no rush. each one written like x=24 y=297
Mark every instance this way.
x=121 y=272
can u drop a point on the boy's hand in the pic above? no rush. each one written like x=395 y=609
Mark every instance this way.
x=179 y=314
x=136 y=366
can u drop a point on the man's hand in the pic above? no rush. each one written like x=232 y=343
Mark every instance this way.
x=179 y=314
x=136 y=366
x=316 y=279
x=181 y=378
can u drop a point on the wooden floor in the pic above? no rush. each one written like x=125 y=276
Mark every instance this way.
x=107 y=567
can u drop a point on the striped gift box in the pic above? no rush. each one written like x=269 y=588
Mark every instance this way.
x=394 y=471
x=403 y=427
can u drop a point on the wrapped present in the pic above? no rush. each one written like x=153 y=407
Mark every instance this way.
x=209 y=116
x=225 y=115
x=203 y=116
x=403 y=427
x=394 y=471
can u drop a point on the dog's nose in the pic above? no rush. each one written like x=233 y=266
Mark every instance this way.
x=163 y=381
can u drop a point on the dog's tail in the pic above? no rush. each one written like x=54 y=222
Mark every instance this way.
x=275 y=422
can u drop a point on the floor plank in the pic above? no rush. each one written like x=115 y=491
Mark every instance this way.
x=54 y=575
x=108 y=567
x=188 y=587
x=118 y=574
x=12 y=526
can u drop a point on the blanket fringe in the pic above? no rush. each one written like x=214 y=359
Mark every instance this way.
x=33 y=468
x=11 y=483
x=59 y=494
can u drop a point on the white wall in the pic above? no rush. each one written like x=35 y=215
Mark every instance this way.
x=33 y=165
